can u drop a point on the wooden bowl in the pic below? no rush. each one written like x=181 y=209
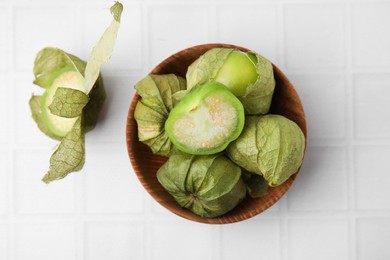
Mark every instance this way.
x=285 y=102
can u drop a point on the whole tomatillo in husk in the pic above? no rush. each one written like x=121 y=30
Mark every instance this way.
x=208 y=185
x=272 y=146
x=249 y=76
x=153 y=108
x=256 y=185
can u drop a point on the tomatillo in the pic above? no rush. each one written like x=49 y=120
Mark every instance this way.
x=205 y=120
x=238 y=72
x=248 y=75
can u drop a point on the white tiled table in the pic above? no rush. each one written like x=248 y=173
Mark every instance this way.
x=337 y=54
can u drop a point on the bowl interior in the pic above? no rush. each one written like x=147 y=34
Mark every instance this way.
x=285 y=102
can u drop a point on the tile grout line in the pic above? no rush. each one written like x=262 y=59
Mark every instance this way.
x=219 y=247
x=281 y=36
x=290 y=71
x=325 y=143
x=147 y=210
x=148 y=230
x=213 y=36
x=6 y=145
x=12 y=138
x=348 y=27
x=144 y=47
x=146 y=11
x=283 y=230
x=145 y=24
x=6 y=217
x=283 y=211
x=79 y=185
x=312 y=214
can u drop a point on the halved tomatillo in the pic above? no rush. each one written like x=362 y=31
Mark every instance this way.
x=205 y=120
x=65 y=78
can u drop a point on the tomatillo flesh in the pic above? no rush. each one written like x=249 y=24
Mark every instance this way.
x=205 y=120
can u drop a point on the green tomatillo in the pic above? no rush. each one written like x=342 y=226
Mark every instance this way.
x=248 y=75
x=238 y=72
x=205 y=120
x=67 y=78
x=208 y=185
x=152 y=110
x=272 y=146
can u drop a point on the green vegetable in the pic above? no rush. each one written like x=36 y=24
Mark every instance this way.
x=152 y=110
x=271 y=146
x=248 y=75
x=73 y=98
x=51 y=62
x=238 y=72
x=208 y=185
x=60 y=126
x=54 y=68
x=205 y=120
x=35 y=106
x=49 y=75
x=256 y=185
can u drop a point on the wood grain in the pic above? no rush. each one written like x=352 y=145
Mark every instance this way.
x=285 y=102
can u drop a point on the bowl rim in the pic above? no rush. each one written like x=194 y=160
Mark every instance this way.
x=227 y=218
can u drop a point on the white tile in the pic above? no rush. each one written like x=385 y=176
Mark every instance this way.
x=320 y=2
x=372 y=166
x=46 y=241
x=37 y=27
x=276 y=207
x=160 y=211
x=4 y=117
x=116 y=240
x=26 y=130
x=4 y=39
x=111 y=185
x=324 y=101
x=3 y=182
x=317 y=239
x=256 y=239
x=370 y=37
x=111 y=127
x=173 y=28
x=373 y=236
x=159 y=1
x=3 y=241
x=371 y=106
x=314 y=35
x=257 y=30
x=32 y=196
x=183 y=240
x=27 y=2
x=322 y=183
x=127 y=52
